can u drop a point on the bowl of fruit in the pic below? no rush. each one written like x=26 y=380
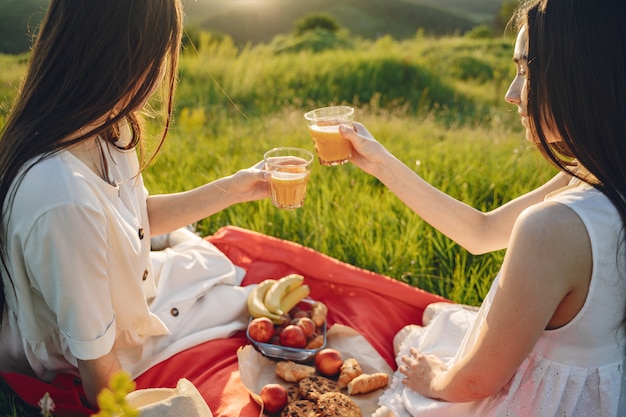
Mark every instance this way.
x=285 y=323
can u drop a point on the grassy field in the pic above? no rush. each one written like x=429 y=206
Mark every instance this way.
x=434 y=102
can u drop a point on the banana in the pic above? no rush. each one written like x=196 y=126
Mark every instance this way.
x=256 y=304
x=292 y=298
x=279 y=289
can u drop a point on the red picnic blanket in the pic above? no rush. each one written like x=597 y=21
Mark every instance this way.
x=373 y=304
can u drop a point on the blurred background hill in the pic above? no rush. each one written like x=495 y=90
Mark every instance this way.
x=258 y=21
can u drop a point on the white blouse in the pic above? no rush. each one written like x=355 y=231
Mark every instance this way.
x=78 y=253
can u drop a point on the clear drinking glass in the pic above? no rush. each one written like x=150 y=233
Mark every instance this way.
x=291 y=169
x=331 y=147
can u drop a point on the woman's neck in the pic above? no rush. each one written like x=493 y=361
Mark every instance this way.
x=91 y=153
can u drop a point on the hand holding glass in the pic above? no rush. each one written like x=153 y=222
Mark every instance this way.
x=290 y=169
x=331 y=147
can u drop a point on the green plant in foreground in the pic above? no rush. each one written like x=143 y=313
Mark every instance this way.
x=112 y=401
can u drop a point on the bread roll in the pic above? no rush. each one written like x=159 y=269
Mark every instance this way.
x=365 y=383
x=293 y=372
x=349 y=370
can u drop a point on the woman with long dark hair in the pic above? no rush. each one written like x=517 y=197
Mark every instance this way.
x=78 y=285
x=549 y=337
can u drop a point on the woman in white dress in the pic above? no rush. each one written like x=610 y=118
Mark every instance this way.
x=81 y=292
x=549 y=338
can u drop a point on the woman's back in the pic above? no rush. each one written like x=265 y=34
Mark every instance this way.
x=595 y=336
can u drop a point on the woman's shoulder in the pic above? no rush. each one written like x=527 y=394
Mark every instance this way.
x=55 y=180
x=554 y=236
x=594 y=209
x=549 y=217
x=579 y=193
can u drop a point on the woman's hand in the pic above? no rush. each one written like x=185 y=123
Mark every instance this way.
x=368 y=154
x=169 y=212
x=420 y=370
x=248 y=184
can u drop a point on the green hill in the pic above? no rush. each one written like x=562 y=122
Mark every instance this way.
x=481 y=11
x=260 y=20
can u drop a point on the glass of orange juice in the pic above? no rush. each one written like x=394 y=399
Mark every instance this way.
x=291 y=169
x=331 y=147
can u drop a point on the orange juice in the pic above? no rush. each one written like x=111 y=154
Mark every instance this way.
x=288 y=189
x=331 y=147
x=290 y=176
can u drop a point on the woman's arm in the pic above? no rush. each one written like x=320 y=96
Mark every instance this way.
x=96 y=374
x=543 y=284
x=169 y=212
x=476 y=231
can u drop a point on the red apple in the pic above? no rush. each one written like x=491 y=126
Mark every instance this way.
x=275 y=398
x=308 y=326
x=328 y=362
x=293 y=336
x=261 y=329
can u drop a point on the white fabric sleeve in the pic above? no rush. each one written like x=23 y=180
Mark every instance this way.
x=66 y=258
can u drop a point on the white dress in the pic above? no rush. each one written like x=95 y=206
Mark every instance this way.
x=83 y=276
x=573 y=371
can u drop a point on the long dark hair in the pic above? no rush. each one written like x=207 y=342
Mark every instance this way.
x=90 y=61
x=577 y=86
